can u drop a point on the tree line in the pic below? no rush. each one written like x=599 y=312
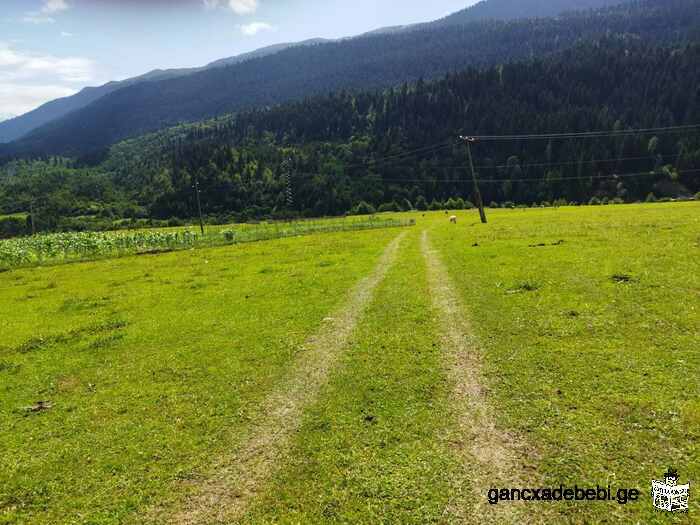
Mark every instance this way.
x=398 y=148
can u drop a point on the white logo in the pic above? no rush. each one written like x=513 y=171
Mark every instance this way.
x=668 y=495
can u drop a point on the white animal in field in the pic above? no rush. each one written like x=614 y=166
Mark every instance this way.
x=453 y=219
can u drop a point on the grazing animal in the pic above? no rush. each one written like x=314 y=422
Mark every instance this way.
x=453 y=219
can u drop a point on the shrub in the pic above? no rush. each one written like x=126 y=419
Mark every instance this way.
x=389 y=207
x=595 y=201
x=421 y=203
x=364 y=208
x=469 y=205
x=461 y=205
x=509 y=204
x=406 y=205
x=617 y=200
x=435 y=205
x=14 y=226
x=606 y=201
x=651 y=198
x=451 y=204
x=493 y=204
x=546 y=204
x=697 y=196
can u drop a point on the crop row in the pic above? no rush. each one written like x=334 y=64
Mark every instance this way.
x=51 y=248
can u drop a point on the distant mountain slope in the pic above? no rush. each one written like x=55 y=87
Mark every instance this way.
x=17 y=127
x=504 y=10
x=363 y=63
x=518 y=9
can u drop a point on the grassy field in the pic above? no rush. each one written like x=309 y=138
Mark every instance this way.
x=152 y=368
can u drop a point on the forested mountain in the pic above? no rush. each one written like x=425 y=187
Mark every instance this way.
x=504 y=10
x=17 y=127
x=399 y=146
x=372 y=62
x=515 y=9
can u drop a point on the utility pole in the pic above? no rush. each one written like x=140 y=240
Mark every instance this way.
x=199 y=203
x=477 y=193
x=31 y=217
x=287 y=168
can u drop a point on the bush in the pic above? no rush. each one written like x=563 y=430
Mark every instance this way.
x=493 y=205
x=389 y=207
x=435 y=206
x=469 y=205
x=509 y=204
x=651 y=198
x=605 y=201
x=451 y=204
x=697 y=196
x=595 y=201
x=617 y=200
x=406 y=205
x=14 y=226
x=461 y=205
x=560 y=202
x=364 y=208
x=421 y=203
x=546 y=204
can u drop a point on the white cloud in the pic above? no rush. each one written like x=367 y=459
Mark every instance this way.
x=240 y=7
x=17 y=99
x=243 y=7
x=255 y=28
x=17 y=65
x=66 y=34
x=54 y=6
x=38 y=18
x=43 y=16
x=28 y=79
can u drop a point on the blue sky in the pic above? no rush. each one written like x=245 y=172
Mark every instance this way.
x=53 y=48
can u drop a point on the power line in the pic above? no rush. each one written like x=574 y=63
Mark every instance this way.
x=401 y=156
x=597 y=177
x=530 y=179
x=586 y=134
x=532 y=165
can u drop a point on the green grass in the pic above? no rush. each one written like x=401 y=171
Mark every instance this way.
x=154 y=366
x=151 y=364
x=591 y=344
x=373 y=449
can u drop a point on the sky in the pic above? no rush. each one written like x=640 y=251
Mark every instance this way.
x=54 y=48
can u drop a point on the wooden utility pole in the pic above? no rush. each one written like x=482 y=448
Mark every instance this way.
x=477 y=193
x=31 y=217
x=199 y=204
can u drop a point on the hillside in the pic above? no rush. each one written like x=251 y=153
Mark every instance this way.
x=338 y=145
x=365 y=63
x=21 y=125
x=518 y=9
x=15 y=128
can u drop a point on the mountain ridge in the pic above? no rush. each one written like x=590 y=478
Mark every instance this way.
x=371 y=62
x=17 y=127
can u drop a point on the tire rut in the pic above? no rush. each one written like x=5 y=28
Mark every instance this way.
x=489 y=455
x=225 y=497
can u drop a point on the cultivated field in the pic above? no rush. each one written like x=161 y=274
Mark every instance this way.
x=380 y=376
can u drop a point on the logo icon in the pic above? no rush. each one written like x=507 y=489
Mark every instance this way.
x=668 y=495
